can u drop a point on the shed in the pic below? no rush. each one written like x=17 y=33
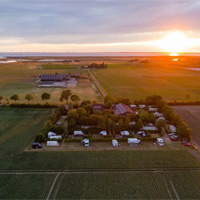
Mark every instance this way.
x=115 y=143
x=52 y=143
x=125 y=133
x=51 y=134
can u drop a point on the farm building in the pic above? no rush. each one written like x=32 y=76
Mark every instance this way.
x=150 y=128
x=98 y=107
x=172 y=128
x=54 y=77
x=124 y=133
x=122 y=109
x=52 y=143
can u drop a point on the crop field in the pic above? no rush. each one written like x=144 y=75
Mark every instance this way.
x=150 y=174
x=60 y=66
x=191 y=115
x=25 y=186
x=21 y=79
x=137 y=80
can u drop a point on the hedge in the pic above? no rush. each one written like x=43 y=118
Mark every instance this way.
x=23 y=105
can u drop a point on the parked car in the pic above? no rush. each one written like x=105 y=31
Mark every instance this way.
x=185 y=143
x=174 y=138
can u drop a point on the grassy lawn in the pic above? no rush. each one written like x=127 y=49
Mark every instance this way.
x=136 y=81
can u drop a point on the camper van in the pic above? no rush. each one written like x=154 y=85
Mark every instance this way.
x=133 y=141
x=115 y=143
x=160 y=141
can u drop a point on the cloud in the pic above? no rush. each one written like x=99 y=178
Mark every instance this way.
x=94 y=21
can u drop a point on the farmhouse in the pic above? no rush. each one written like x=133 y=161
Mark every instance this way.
x=122 y=109
x=98 y=107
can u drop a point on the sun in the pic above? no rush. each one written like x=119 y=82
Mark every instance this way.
x=175 y=42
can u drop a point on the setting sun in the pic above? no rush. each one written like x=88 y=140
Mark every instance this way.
x=175 y=42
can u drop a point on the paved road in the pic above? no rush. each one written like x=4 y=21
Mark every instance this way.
x=97 y=84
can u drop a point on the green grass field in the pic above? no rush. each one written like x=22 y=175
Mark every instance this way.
x=136 y=81
x=21 y=79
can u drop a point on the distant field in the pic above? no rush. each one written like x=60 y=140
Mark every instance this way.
x=60 y=66
x=136 y=81
x=191 y=115
x=21 y=79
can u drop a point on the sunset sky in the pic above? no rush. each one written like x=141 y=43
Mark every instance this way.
x=99 y=25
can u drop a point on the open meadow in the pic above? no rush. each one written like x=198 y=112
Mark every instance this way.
x=20 y=78
x=138 y=80
x=87 y=174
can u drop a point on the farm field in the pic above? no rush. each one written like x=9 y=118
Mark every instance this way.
x=20 y=79
x=191 y=115
x=137 y=80
x=86 y=174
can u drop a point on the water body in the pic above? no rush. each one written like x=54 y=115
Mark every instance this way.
x=81 y=54
x=194 y=69
x=7 y=61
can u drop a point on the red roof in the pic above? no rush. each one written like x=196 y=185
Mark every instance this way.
x=122 y=109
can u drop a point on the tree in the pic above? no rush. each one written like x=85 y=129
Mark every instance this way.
x=81 y=112
x=88 y=108
x=102 y=122
x=161 y=124
x=65 y=95
x=85 y=102
x=107 y=98
x=15 y=97
x=93 y=120
x=108 y=104
x=45 y=96
x=29 y=97
x=1 y=99
x=139 y=124
x=75 y=98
